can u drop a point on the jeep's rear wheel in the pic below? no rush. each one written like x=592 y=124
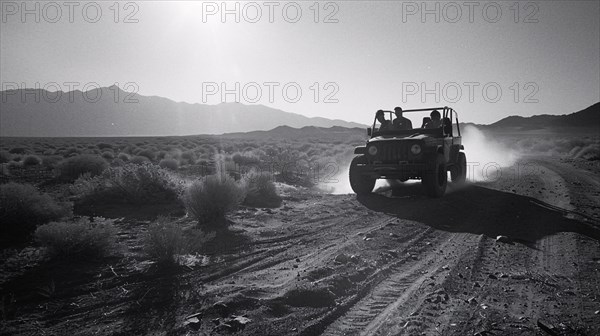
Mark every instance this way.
x=435 y=178
x=458 y=173
x=361 y=184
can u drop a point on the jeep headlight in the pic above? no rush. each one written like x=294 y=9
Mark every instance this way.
x=373 y=150
x=415 y=149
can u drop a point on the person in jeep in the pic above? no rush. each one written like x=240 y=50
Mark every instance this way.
x=385 y=124
x=401 y=123
x=436 y=120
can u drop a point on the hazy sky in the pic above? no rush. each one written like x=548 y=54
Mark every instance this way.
x=543 y=56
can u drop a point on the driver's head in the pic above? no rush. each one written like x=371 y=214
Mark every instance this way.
x=435 y=115
x=398 y=111
x=380 y=116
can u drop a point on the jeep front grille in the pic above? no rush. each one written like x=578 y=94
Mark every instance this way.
x=392 y=152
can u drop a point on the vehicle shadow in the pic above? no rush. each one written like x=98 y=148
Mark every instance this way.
x=478 y=210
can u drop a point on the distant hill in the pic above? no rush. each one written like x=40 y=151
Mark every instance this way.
x=74 y=115
x=587 y=118
x=305 y=133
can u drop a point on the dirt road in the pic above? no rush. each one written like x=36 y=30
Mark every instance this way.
x=378 y=265
x=406 y=264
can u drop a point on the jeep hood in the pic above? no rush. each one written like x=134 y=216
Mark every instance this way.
x=400 y=137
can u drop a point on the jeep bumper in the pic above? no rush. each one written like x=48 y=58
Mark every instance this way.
x=392 y=171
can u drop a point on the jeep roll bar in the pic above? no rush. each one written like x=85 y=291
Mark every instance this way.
x=447 y=112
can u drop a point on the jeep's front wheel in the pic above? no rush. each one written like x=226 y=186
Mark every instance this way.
x=458 y=173
x=361 y=184
x=435 y=178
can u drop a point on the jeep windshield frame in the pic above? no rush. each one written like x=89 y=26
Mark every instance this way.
x=445 y=111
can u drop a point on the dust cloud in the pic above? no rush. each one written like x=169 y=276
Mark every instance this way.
x=339 y=184
x=485 y=156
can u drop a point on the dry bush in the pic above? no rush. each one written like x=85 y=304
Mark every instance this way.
x=103 y=146
x=32 y=160
x=4 y=156
x=189 y=157
x=73 y=167
x=140 y=160
x=108 y=155
x=18 y=150
x=589 y=152
x=23 y=208
x=260 y=190
x=132 y=184
x=557 y=145
x=79 y=239
x=211 y=198
x=245 y=159
x=169 y=163
x=124 y=157
x=72 y=151
x=164 y=241
x=117 y=163
x=149 y=153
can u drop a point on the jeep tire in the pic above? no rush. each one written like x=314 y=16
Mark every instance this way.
x=435 y=176
x=458 y=173
x=361 y=184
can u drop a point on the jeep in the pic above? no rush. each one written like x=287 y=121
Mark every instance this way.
x=425 y=154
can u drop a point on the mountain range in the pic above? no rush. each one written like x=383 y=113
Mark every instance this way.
x=111 y=111
x=40 y=113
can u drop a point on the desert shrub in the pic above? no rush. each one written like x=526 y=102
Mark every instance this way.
x=175 y=153
x=260 y=190
x=108 y=155
x=590 y=152
x=189 y=156
x=117 y=163
x=123 y=156
x=161 y=154
x=149 y=153
x=14 y=165
x=211 y=198
x=81 y=238
x=32 y=160
x=23 y=208
x=140 y=160
x=51 y=161
x=4 y=156
x=72 y=151
x=245 y=159
x=73 y=167
x=131 y=183
x=164 y=241
x=171 y=164
x=18 y=150
x=103 y=146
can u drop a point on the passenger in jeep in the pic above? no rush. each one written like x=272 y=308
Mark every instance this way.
x=385 y=124
x=426 y=120
x=401 y=123
x=436 y=120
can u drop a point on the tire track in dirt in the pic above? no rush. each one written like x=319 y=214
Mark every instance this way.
x=532 y=272
x=388 y=289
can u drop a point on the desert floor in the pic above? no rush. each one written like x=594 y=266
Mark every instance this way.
x=391 y=263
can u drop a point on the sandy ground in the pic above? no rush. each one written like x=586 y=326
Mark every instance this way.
x=392 y=263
